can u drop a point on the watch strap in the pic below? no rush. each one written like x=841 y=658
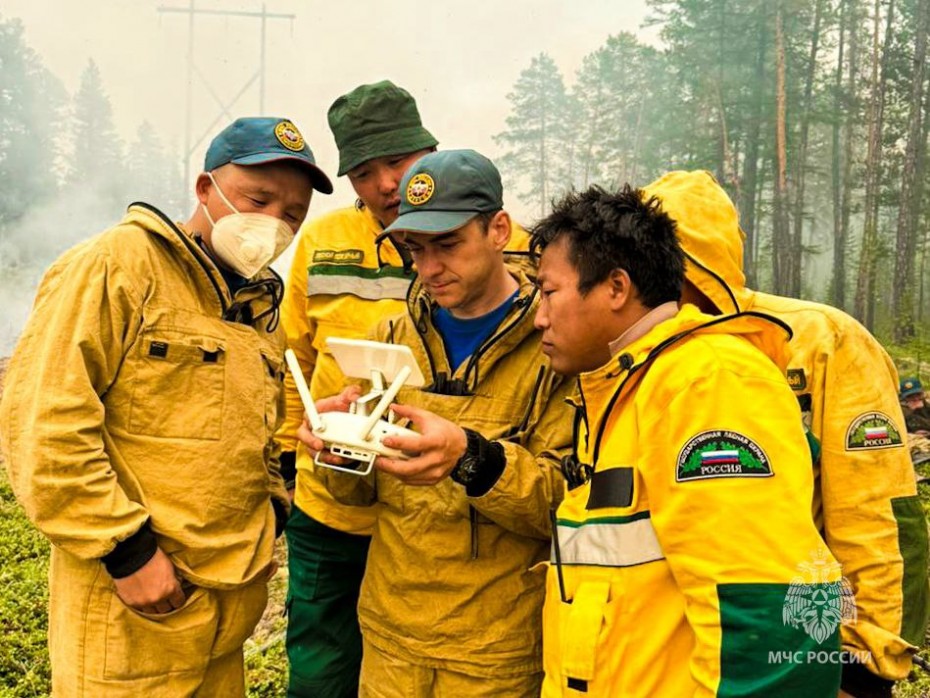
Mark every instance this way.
x=481 y=466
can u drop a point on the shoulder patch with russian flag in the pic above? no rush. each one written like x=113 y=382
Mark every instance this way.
x=872 y=430
x=716 y=454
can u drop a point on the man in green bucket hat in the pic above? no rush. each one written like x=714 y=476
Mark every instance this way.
x=341 y=282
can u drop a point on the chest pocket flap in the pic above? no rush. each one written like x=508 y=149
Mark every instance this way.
x=179 y=387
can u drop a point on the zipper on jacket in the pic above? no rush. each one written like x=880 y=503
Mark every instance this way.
x=473 y=520
x=524 y=303
x=189 y=244
x=421 y=323
x=513 y=431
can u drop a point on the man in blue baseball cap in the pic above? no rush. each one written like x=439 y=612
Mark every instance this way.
x=914 y=404
x=137 y=426
x=257 y=180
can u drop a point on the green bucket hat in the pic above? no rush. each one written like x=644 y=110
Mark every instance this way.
x=376 y=120
x=442 y=191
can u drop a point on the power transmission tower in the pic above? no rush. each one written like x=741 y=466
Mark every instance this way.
x=190 y=144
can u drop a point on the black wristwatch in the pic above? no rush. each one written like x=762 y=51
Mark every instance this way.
x=468 y=466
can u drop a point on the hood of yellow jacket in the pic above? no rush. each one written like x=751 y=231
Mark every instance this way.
x=707 y=222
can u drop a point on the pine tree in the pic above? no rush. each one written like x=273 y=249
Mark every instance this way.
x=621 y=90
x=539 y=138
x=907 y=234
x=31 y=101
x=96 y=165
x=865 y=297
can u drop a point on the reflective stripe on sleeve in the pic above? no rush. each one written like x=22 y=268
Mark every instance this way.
x=621 y=541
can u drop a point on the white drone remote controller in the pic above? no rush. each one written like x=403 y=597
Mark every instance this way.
x=356 y=435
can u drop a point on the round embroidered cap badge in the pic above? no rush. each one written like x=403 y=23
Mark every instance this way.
x=289 y=136
x=420 y=189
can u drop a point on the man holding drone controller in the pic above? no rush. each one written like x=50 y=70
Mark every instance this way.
x=466 y=516
x=343 y=280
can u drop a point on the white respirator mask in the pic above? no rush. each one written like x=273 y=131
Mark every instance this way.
x=247 y=242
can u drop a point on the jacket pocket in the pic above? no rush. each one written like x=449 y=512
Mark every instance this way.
x=179 y=387
x=142 y=645
x=575 y=632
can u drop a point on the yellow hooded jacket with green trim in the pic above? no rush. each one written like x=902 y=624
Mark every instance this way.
x=130 y=398
x=672 y=564
x=448 y=582
x=865 y=500
x=341 y=284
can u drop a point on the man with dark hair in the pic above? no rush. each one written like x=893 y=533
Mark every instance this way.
x=648 y=594
x=865 y=497
x=341 y=283
x=137 y=424
x=344 y=278
x=450 y=605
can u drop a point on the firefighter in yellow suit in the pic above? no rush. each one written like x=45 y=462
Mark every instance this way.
x=451 y=598
x=685 y=560
x=865 y=500
x=343 y=280
x=138 y=421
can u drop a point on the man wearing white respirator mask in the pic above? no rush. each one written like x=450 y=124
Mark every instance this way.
x=137 y=424
x=247 y=242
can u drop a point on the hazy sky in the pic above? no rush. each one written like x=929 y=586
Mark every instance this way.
x=459 y=59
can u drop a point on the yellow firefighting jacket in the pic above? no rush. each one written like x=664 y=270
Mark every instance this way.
x=138 y=393
x=673 y=564
x=865 y=499
x=448 y=582
x=341 y=283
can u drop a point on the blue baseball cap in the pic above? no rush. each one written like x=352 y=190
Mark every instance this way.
x=910 y=386
x=255 y=140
